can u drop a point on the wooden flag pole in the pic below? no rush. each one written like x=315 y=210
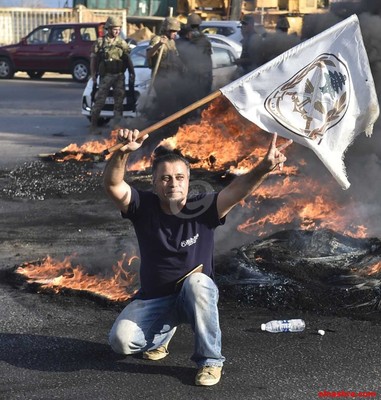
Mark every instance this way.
x=153 y=77
x=154 y=72
x=168 y=120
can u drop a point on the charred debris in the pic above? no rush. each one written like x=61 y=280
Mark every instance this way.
x=321 y=270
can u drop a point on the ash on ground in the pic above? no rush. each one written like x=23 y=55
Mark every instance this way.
x=40 y=180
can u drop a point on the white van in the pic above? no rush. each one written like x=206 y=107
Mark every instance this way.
x=230 y=29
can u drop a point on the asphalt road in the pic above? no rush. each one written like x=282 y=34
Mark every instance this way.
x=24 y=103
x=55 y=346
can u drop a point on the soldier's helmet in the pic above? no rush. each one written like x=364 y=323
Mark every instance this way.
x=194 y=20
x=248 y=19
x=112 y=22
x=170 y=24
x=282 y=24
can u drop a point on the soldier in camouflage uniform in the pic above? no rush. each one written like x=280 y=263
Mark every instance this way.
x=195 y=51
x=110 y=59
x=167 y=81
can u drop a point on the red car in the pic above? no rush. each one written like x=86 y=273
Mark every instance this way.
x=63 y=48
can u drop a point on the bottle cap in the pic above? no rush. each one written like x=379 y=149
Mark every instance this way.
x=263 y=327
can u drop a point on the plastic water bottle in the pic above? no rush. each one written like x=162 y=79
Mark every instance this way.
x=285 y=325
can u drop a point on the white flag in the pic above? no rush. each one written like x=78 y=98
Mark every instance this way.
x=320 y=93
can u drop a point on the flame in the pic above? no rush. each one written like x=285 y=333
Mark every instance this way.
x=56 y=275
x=373 y=269
x=93 y=146
x=89 y=151
x=140 y=165
x=224 y=141
x=298 y=203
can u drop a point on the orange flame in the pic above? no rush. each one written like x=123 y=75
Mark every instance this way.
x=140 y=165
x=55 y=275
x=93 y=146
x=223 y=140
x=374 y=269
x=87 y=151
x=299 y=203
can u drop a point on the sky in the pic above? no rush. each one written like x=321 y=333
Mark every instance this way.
x=41 y=3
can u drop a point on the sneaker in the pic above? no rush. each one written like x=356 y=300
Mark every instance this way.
x=156 y=354
x=208 y=376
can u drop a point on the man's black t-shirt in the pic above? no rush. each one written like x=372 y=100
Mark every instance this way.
x=172 y=245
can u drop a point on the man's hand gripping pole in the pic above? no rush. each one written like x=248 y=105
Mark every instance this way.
x=167 y=120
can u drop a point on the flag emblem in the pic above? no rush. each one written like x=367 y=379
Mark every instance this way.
x=314 y=100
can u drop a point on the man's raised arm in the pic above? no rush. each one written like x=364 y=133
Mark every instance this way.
x=113 y=176
x=244 y=185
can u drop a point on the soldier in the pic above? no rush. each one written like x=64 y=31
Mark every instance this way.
x=282 y=24
x=246 y=62
x=167 y=68
x=199 y=59
x=110 y=59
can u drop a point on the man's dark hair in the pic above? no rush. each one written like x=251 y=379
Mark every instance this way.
x=163 y=154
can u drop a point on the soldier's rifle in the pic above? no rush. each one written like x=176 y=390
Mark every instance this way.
x=153 y=76
x=156 y=68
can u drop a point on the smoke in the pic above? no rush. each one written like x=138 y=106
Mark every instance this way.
x=115 y=250
x=266 y=47
x=371 y=31
x=313 y=24
x=363 y=158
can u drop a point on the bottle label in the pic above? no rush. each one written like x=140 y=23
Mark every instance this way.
x=285 y=327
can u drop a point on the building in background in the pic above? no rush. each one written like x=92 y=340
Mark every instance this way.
x=16 y=23
x=207 y=9
x=142 y=8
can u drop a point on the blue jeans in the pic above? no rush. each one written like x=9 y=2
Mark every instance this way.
x=147 y=324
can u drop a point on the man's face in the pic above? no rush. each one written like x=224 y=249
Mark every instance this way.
x=114 y=31
x=171 y=183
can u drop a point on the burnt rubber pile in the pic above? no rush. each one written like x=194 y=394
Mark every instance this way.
x=317 y=270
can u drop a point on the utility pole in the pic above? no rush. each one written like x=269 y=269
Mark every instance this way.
x=235 y=9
